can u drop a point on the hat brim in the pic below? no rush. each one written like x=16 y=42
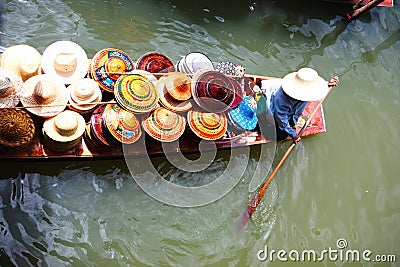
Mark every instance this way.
x=50 y=53
x=304 y=90
x=196 y=124
x=53 y=108
x=51 y=132
x=245 y=122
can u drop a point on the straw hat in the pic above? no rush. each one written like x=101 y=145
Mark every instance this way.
x=136 y=93
x=305 y=85
x=168 y=101
x=10 y=88
x=97 y=128
x=164 y=125
x=245 y=115
x=65 y=61
x=16 y=128
x=108 y=64
x=65 y=127
x=123 y=125
x=44 y=96
x=23 y=60
x=83 y=93
x=193 y=62
x=208 y=126
x=155 y=62
x=212 y=90
x=178 y=86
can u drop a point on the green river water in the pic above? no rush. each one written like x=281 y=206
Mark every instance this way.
x=337 y=191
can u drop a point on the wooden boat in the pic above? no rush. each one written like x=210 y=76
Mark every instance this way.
x=187 y=144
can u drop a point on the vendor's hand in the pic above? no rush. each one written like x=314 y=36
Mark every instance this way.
x=296 y=139
x=334 y=81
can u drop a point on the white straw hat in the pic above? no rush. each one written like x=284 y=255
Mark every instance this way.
x=65 y=60
x=305 y=85
x=23 y=60
x=44 y=96
x=83 y=93
x=65 y=127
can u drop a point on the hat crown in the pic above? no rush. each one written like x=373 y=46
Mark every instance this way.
x=6 y=86
x=44 y=92
x=307 y=74
x=29 y=64
x=115 y=64
x=84 y=90
x=165 y=118
x=65 y=62
x=66 y=123
x=129 y=121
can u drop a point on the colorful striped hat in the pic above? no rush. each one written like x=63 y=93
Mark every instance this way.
x=212 y=91
x=122 y=124
x=208 y=126
x=168 y=101
x=245 y=115
x=178 y=85
x=108 y=65
x=155 y=62
x=136 y=93
x=164 y=125
x=98 y=132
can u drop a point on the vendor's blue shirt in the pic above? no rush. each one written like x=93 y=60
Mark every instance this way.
x=286 y=111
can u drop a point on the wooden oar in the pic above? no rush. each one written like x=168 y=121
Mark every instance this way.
x=261 y=192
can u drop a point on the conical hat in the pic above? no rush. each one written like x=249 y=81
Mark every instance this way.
x=65 y=127
x=96 y=127
x=66 y=61
x=155 y=62
x=305 y=85
x=245 y=115
x=208 y=126
x=194 y=62
x=108 y=64
x=178 y=85
x=16 y=128
x=44 y=96
x=136 y=93
x=164 y=125
x=23 y=60
x=122 y=124
x=10 y=88
x=168 y=101
x=212 y=91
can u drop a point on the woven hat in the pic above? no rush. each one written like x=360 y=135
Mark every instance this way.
x=83 y=93
x=123 y=125
x=65 y=127
x=65 y=61
x=178 y=86
x=245 y=115
x=155 y=62
x=136 y=93
x=108 y=64
x=193 y=62
x=44 y=96
x=305 y=85
x=98 y=131
x=16 y=128
x=164 y=125
x=208 y=126
x=212 y=90
x=23 y=60
x=10 y=88
x=168 y=101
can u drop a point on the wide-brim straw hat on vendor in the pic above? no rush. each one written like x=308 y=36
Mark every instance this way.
x=212 y=90
x=17 y=129
x=245 y=115
x=108 y=65
x=121 y=124
x=44 y=96
x=164 y=125
x=136 y=93
x=305 y=85
x=66 y=61
x=155 y=62
x=65 y=127
x=207 y=125
x=23 y=60
x=10 y=88
x=168 y=101
x=84 y=95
